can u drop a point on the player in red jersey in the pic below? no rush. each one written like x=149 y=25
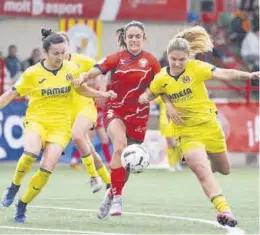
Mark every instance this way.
x=132 y=71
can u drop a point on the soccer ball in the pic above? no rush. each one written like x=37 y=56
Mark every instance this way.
x=135 y=157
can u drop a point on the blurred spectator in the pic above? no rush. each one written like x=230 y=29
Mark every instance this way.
x=250 y=54
x=239 y=27
x=12 y=62
x=250 y=49
x=247 y=5
x=218 y=34
x=164 y=61
x=255 y=18
x=34 y=59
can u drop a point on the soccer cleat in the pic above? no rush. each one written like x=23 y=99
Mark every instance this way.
x=20 y=216
x=76 y=166
x=226 y=218
x=105 y=205
x=95 y=183
x=117 y=206
x=9 y=195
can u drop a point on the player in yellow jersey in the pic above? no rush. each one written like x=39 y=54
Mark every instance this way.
x=201 y=136
x=48 y=117
x=167 y=131
x=84 y=119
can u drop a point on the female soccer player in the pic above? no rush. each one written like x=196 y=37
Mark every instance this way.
x=48 y=117
x=84 y=119
x=200 y=135
x=167 y=131
x=132 y=70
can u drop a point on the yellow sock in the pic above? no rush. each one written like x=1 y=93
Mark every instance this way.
x=23 y=166
x=170 y=153
x=176 y=156
x=220 y=203
x=104 y=175
x=39 y=179
x=88 y=162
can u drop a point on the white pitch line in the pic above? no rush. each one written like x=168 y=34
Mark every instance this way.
x=230 y=230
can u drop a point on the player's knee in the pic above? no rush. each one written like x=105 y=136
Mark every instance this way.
x=78 y=138
x=201 y=171
x=224 y=171
x=119 y=147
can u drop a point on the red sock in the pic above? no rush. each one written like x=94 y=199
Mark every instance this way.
x=76 y=155
x=118 y=179
x=106 y=151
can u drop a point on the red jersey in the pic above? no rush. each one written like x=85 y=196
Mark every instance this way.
x=130 y=76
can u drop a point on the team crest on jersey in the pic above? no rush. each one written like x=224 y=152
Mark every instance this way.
x=69 y=77
x=186 y=79
x=143 y=62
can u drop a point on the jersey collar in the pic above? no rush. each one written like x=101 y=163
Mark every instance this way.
x=54 y=72
x=176 y=77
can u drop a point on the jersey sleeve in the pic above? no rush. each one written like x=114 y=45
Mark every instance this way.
x=204 y=70
x=108 y=63
x=24 y=84
x=156 y=85
x=89 y=64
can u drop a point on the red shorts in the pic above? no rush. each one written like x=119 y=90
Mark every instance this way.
x=135 y=126
x=100 y=118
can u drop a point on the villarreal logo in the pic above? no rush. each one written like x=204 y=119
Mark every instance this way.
x=186 y=79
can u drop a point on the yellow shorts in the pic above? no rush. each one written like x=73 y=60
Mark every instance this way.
x=166 y=128
x=208 y=136
x=56 y=135
x=89 y=111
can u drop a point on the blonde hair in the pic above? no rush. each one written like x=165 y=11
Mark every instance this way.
x=193 y=40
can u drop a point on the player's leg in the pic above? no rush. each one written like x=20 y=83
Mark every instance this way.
x=117 y=132
x=100 y=130
x=32 y=147
x=104 y=143
x=74 y=163
x=80 y=130
x=220 y=162
x=197 y=161
x=99 y=165
x=173 y=154
x=50 y=158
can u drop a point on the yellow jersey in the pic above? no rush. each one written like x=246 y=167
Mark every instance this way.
x=84 y=64
x=188 y=92
x=49 y=92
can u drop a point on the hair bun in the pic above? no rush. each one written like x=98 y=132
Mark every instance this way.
x=45 y=33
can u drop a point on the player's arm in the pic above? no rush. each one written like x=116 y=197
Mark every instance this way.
x=232 y=74
x=7 y=97
x=91 y=92
x=147 y=96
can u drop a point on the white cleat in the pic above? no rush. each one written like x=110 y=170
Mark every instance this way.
x=105 y=205
x=178 y=167
x=117 y=206
x=95 y=183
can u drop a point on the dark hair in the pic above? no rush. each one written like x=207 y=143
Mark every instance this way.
x=122 y=31
x=49 y=37
x=65 y=36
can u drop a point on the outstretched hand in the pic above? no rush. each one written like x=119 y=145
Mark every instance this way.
x=255 y=75
x=173 y=115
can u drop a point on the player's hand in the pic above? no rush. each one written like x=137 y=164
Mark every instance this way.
x=173 y=115
x=143 y=99
x=110 y=95
x=100 y=102
x=255 y=75
x=76 y=82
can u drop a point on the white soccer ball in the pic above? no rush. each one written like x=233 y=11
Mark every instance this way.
x=135 y=157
